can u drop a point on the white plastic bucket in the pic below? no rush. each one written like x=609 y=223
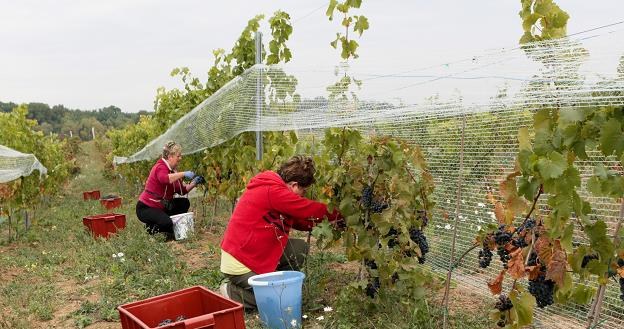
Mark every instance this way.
x=182 y=225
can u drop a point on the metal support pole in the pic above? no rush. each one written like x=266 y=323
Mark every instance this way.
x=447 y=287
x=259 y=97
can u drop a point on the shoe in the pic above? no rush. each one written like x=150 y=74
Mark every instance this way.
x=223 y=290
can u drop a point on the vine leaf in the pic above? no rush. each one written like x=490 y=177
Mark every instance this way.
x=543 y=249
x=611 y=138
x=516 y=264
x=553 y=166
x=524 y=139
x=496 y=285
x=557 y=265
x=523 y=305
x=534 y=272
x=499 y=211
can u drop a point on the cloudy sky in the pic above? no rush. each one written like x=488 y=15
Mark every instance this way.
x=91 y=54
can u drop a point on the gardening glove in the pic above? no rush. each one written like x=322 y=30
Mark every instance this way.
x=189 y=174
x=199 y=180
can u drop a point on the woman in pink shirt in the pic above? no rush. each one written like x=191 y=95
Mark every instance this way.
x=157 y=202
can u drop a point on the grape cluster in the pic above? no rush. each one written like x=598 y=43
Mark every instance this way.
x=519 y=242
x=532 y=259
x=419 y=238
x=587 y=259
x=367 y=197
x=369 y=203
x=504 y=303
x=504 y=255
x=501 y=236
x=527 y=225
x=377 y=207
x=542 y=289
x=373 y=283
x=393 y=240
x=485 y=256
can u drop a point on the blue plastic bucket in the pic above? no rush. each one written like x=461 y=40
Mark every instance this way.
x=278 y=296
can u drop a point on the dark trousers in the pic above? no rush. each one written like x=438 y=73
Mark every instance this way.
x=292 y=260
x=158 y=220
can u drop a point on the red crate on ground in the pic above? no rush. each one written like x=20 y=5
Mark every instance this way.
x=91 y=195
x=111 y=203
x=104 y=225
x=200 y=308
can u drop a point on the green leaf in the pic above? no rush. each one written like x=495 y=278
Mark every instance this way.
x=361 y=25
x=582 y=294
x=330 y=9
x=528 y=188
x=597 y=235
x=612 y=138
x=553 y=166
x=523 y=305
x=572 y=115
x=524 y=139
x=566 y=238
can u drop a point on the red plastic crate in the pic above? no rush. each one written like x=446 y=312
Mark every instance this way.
x=104 y=225
x=111 y=203
x=91 y=195
x=200 y=307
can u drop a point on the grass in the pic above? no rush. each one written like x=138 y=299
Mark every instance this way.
x=56 y=275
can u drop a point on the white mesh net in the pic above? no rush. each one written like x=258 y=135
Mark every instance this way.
x=495 y=93
x=14 y=164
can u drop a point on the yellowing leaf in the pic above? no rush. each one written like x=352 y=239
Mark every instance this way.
x=543 y=249
x=557 y=266
x=523 y=139
x=499 y=211
x=496 y=286
x=515 y=266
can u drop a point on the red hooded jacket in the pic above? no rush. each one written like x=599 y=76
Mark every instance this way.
x=258 y=230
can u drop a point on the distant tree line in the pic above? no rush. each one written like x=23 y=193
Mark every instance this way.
x=60 y=120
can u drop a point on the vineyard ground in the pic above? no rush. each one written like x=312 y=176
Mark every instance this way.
x=56 y=276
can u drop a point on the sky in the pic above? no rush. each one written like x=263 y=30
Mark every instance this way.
x=92 y=54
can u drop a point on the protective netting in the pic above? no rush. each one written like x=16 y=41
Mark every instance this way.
x=14 y=164
x=492 y=95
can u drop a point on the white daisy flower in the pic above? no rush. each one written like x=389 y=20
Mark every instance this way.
x=293 y=323
x=328 y=309
x=320 y=318
x=447 y=226
x=478 y=227
x=476 y=212
x=120 y=254
x=114 y=255
x=305 y=316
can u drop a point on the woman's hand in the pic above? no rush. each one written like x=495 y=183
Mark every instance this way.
x=189 y=174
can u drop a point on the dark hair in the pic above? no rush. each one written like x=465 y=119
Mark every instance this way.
x=300 y=169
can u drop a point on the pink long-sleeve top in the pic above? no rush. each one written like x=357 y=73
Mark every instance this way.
x=158 y=187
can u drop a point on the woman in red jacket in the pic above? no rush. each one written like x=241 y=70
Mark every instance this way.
x=157 y=202
x=256 y=238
